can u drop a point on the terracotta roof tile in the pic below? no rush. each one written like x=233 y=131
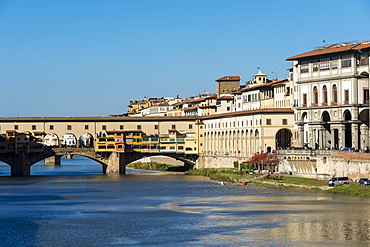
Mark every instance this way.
x=213 y=96
x=191 y=108
x=229 y=78
x=226 y=97
x=330 y=49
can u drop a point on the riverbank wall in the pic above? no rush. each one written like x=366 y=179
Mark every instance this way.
x=324 y=164
x=317 y=164
x=217 y=161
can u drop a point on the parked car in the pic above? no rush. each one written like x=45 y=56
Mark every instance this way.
x=337 y=181
x=364 y=181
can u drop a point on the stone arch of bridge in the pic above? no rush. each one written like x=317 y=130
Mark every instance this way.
x=112 y=162
x=188 y=159
x=20 y=163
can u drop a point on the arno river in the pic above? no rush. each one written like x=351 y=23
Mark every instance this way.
x=75 y=205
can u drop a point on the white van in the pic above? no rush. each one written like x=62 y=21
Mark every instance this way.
x=337 y=181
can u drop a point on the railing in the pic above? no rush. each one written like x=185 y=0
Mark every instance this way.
x=72 y=149
x=303 y=152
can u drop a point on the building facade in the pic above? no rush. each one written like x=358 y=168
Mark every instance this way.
x=331 y=85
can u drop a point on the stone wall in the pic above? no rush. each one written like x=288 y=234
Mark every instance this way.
x=325 y=165
x=215 y=161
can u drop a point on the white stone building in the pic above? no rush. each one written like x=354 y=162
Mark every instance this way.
x=331 y=84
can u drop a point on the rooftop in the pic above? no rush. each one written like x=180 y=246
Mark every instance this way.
x=333 y=48
x=229 y=78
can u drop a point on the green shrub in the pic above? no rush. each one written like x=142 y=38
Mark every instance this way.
x=149 y=166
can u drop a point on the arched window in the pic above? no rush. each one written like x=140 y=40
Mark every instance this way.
x=325 y=95
x=315 y=96
x=335 y=95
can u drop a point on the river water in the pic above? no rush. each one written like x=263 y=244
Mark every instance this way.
x=75 y=205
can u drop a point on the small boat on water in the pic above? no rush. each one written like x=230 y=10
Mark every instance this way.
x=242 y=183
x=222 y=183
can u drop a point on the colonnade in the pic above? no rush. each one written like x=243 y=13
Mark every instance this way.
x=243 y=143
x=352 y=134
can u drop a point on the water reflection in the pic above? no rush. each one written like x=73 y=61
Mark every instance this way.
x=140 y=209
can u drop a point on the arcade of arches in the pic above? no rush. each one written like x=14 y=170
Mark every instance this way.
x=244 y=143
x=352 y=131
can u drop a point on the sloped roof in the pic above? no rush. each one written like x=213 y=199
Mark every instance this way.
x=229 y=78
x=191 y=108
x=225 y=97
x=330 y=49
x=268 y=84
x=213 y=96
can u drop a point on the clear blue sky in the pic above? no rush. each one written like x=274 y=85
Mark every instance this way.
x=89 y=57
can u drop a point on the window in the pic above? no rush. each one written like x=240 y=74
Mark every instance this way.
x=315 y=96
x=364 y=59
x=15 y=127
x=325 y=63
x=268 y=121
x=138 y=127
x=121 y=127
x=173 y=126
x=104 y=127
x=33 y=127
x=156 y=126
x=334 y=62
x=325 y=95
x=315 y=65
x=287 y=91
x=366 y=96
x=304 y=100
x=346 y=61
x=69 y=127
x=304 y=67
x=346 y=96
x=335 y=95
x=228 y=108
x=285 y=121
x=51 y=127
x=190 y=126
x=86 y=127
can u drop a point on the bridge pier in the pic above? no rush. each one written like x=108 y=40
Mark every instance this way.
x=20 y=163
x=117 y=163
x=53 y=160
x=69 y=156
x=20 y=170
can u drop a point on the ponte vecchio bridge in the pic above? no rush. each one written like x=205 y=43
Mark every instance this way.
x=114 y=141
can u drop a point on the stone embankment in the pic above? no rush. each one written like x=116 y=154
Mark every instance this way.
x=279 y=184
